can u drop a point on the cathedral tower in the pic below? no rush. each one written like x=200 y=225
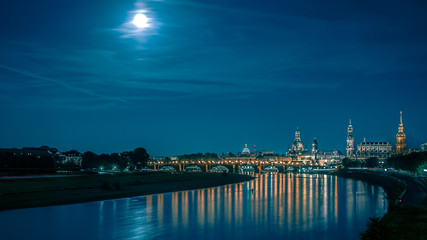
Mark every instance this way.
x=400 y=138
x=314 y=149
x=350 y=141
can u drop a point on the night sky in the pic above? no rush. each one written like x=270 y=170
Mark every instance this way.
x=210 y=76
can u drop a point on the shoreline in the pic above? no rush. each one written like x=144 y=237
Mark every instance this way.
x=393 y=186
x=42 y=192
x=402 y=221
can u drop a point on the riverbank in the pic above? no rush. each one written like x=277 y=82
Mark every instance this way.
x=394 y=187
x=402 y=221
x=38 y=192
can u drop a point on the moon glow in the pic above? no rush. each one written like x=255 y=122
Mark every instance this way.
x=140 y=20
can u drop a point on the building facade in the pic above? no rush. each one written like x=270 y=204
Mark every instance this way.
x=299 y=155
x=246 y=150
x=72 y=157
x=400 y=138
x=380 y=150
x=297 y=145
x=350 y=141
x=315 y=148
x=297 y=151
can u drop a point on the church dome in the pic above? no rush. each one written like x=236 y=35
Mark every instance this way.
x=246 y=150
x=297 y=145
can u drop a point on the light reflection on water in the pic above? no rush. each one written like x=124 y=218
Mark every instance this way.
x=293 y=206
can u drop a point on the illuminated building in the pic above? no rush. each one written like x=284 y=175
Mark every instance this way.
x=380 y=150
x=329 y=157
x=300 y=155
x=314 y=148
x=257 y=158
x=297 y=145
x=73 y=157
x=246 y=150
x=400 y=138
x=350 y=141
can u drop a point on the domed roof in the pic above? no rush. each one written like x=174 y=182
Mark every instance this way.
x=400 y=134
x=246 y=149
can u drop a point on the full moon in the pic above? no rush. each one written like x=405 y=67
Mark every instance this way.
x=140 y=20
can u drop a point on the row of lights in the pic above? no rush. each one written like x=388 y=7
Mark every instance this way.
x=235 y=162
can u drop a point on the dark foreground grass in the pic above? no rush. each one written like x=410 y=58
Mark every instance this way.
x=402 y=223
x=37 y=192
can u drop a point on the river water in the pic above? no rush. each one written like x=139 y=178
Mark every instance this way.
x=285 y=206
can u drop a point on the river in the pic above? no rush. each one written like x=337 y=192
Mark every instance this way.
x=286 y=206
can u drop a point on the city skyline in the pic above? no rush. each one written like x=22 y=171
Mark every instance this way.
x=199 y=76
x=307 y=146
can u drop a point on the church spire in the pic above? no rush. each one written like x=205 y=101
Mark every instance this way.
x=297 y=134
x=350 y=140
x=400 y=137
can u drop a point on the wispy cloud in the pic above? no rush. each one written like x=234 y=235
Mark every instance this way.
x=60 y=83
x=217 y=52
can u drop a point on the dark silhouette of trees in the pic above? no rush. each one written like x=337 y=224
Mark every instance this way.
x=21 y=163
x=372 y=162
x=120 y=161
x=347 y=162
x=408 y=162
x=45 y=159
x=89 y=160
x=139 y=157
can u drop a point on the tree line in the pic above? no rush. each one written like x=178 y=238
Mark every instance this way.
x=131 y=160
x=11 y=162
x=414 y=162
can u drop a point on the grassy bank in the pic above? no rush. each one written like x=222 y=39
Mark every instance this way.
x=36 y=192
x=401 y=223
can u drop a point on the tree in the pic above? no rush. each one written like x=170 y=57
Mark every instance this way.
x=420 y=168
x=139 y=157
x=372 y=162
x=408 y=162
x=346 y=162
x=117 y=162
x=89 y=160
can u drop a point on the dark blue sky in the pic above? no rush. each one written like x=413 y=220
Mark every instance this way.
x=210 y=76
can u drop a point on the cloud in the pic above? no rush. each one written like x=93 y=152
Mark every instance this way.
x=204 y=51
x=60 y=83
